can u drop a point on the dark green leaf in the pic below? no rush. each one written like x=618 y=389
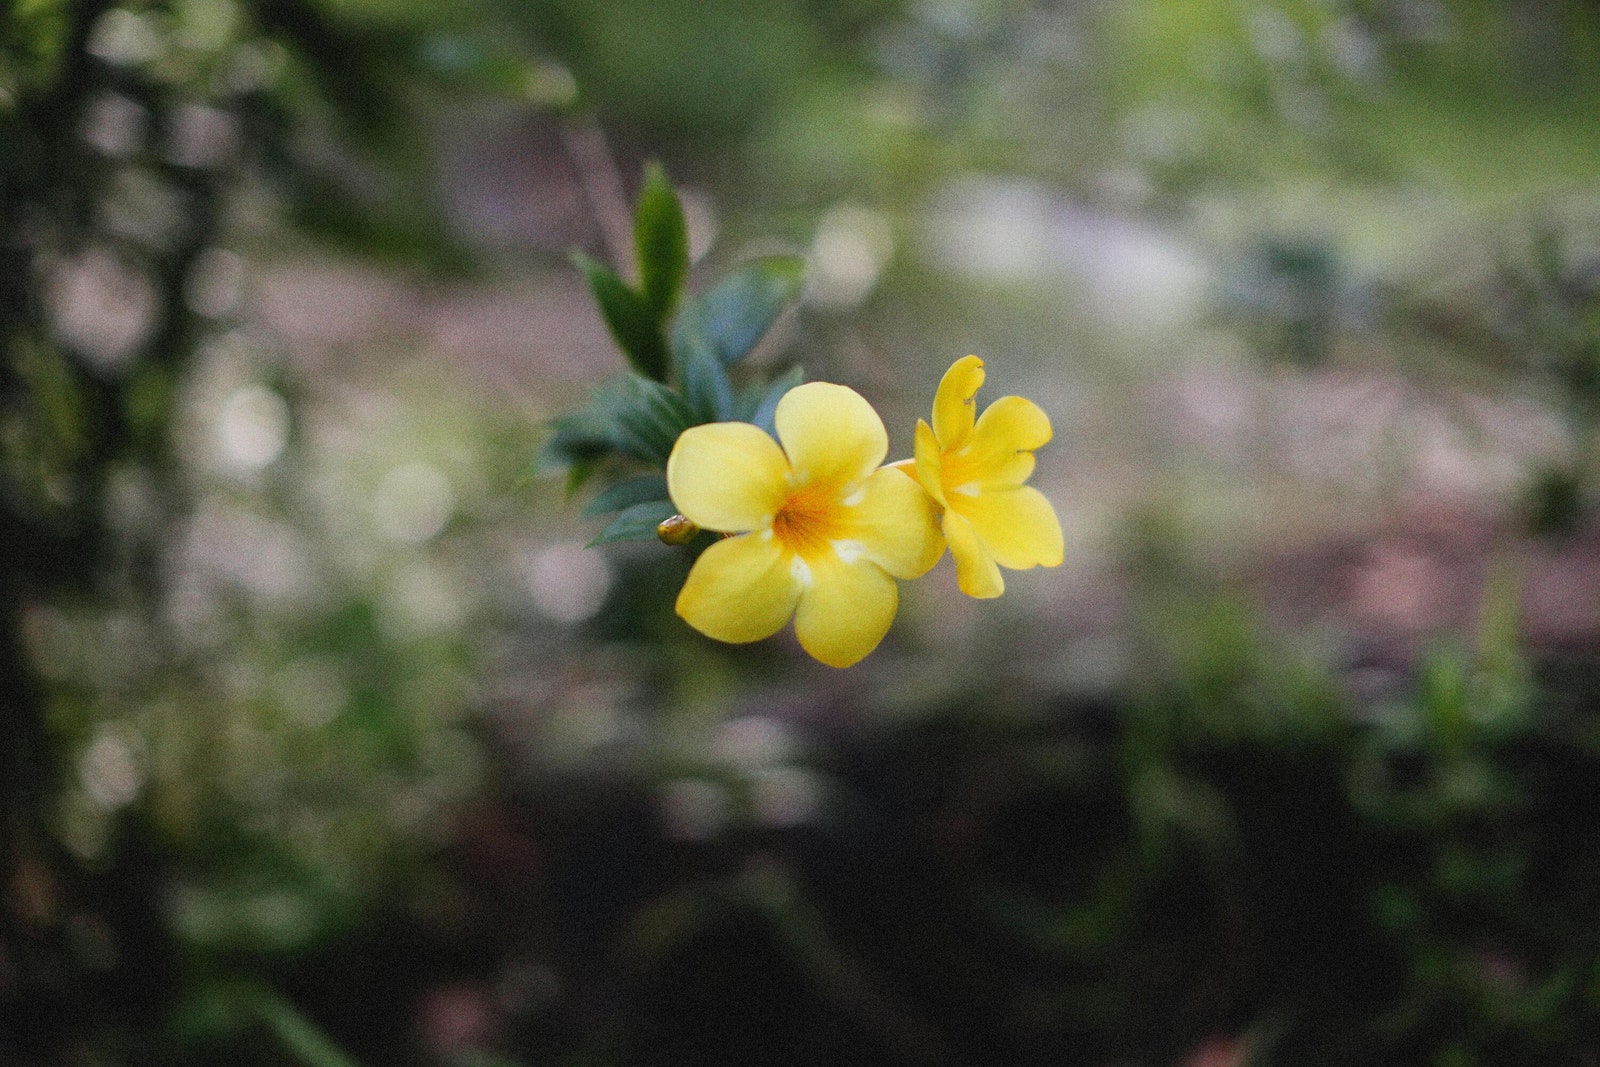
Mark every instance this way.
x=631 y=415
x=661 y=243
x=579 y=473
x=705 y=382
x=732 y=318
x=649 y=417
x=748 y=399
x=625 y=494
x=633 y=325
x=636 y=523
x=764 y=412
x=579 y=438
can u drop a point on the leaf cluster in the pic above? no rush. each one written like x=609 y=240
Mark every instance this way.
x=681 y=349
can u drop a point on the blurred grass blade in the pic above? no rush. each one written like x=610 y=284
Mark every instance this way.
x=1444 y=692
x=303 y=1038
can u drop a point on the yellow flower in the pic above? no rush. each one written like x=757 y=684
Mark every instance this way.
x=822 y=530
x=976 y=469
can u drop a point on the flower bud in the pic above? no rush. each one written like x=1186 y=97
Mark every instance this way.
x=677 y=531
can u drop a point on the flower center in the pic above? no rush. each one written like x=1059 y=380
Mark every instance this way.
x=809 y=519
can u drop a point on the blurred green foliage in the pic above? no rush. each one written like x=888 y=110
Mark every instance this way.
x=206 y=734
x=310 y=753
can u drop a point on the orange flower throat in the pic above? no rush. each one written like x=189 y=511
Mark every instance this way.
x=809 y=519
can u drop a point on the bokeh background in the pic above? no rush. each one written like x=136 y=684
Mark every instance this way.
x=325 y=741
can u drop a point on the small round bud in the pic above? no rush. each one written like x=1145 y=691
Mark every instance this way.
x=677 y=530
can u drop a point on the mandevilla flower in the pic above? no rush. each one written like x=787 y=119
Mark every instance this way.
x=976 y=469
x=822 y=530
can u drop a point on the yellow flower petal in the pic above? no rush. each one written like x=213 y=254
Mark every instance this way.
x=953 y=402
x=830 y=433
x=1006 y=472
x=976 y=572
x=740 y=589
x=929 y=463
x=999 y=453
x=1019 y=528
x=1012 y=423
x=845 y=611
x=727 y=476
x=894 y=524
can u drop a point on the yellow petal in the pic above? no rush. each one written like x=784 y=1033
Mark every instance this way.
x=1006 y=471
x=976 y=572
x=929 y=463
x=953 y=403
x=830 y=433
x=893 y=523
x=845 y=611
x=727 y=476
x=999 y=453
x=1018 y=527
x=1012 y=423
x=740 y=589
x=908 y=467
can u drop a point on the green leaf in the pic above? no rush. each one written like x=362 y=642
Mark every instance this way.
x=748 y=399
x=633 y=325
x=705 y=382
x=631 y=415
x=661 y=243
x=578 y=475
x=637 y=523
x=767 y=409
x=732 y=318
x=582 y=437
x=649 y=417
x=624 y=494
